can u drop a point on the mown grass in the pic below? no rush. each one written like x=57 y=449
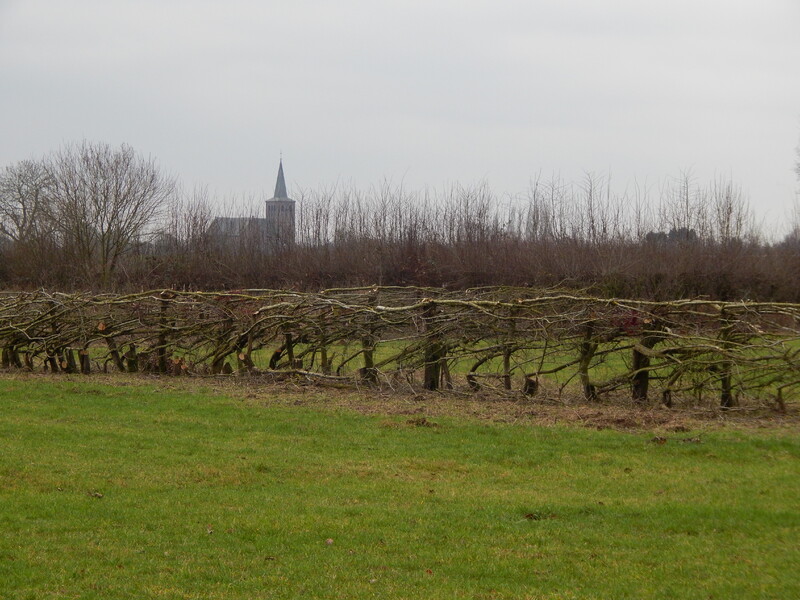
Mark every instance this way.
x=128 y=490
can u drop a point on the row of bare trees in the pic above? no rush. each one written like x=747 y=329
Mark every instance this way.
x=682 y=240
x=92 y=216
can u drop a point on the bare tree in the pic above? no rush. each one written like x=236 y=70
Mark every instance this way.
x=102 y=199
x=26 y=232
x=731 y=217
x=22 y=200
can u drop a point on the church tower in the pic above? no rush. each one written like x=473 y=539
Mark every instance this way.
x=280 y=213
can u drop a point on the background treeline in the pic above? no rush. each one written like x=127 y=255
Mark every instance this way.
x=95 y=217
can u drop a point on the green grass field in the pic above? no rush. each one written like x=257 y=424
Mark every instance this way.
x=124 y=488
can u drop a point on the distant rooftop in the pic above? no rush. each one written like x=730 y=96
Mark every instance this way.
x=235 y=227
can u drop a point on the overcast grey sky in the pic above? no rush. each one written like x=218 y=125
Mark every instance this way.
x=424 y=92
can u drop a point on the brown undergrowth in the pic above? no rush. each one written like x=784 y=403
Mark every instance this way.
x=422 y=408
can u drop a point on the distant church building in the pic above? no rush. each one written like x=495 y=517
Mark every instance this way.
x=280 y=211
x=275 y=230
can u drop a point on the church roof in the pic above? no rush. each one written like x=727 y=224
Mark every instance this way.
x=226 y=227
x=280 y=185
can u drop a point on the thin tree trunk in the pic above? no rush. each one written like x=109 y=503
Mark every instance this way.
x=434 y=349
x=587 y=349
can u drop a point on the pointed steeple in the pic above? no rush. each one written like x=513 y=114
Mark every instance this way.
x=279 y=215
x=280 y=185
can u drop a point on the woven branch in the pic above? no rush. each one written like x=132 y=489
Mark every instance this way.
x=696 y=349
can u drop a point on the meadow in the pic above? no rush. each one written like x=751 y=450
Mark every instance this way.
x=136 y=487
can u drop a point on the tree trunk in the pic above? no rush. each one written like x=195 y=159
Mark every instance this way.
x=507 y=368
x=114 y=351
x=587 y=349
x=69 y=365
x=640 y=380
x=727 y=398
x=132 y=359
x=434 y=349
x=85 y=362
x=163 y=330
x=531 y=386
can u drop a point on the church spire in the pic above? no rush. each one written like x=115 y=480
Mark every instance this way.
x=280 y=184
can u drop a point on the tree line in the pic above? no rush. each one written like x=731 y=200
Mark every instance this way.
x=92 y=216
